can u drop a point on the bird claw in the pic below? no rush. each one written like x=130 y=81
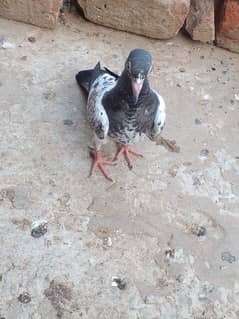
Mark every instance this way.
x=126 y=150
x=99 y=162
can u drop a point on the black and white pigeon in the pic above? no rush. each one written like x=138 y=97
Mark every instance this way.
x=123 y=107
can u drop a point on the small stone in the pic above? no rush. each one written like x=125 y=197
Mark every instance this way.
x=202 y=57
x=182 y=70
x=24 y=297
x=179 y=85
x=120 y=283
x=107 y=241
x=197 y=121
x=39 y=228
x=204 y=152
x=32 y=39
x=24 y=58
x=68 y=122
x=213 y=68
x=202 y=296
x=170 y=253
x=206 y=97
x=7 y=45
x=227 y=256
x=236 y=96
x=198 y=230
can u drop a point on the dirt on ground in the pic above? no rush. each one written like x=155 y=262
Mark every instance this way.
x=159 y=242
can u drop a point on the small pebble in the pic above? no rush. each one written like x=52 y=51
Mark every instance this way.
x=170 y=253
x=7 y=45
x=24 y=297
x=179 y=85
x=198 y=230
x=213 y=69
x=32 y=39
x=120 y=283
x=182 y=70
x=206 y=97
x=68 y=122
x=39 y=228
x=204 y=153
x=107 y=241
x=236 y=96
x=197 y=121
x=24 y=58
x=227 y=256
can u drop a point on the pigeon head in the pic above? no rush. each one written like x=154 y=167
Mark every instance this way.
x=138 y=65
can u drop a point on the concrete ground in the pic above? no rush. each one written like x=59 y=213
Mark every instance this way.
x=168 y=229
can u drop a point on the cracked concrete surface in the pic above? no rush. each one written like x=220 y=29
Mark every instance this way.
x=143 y=227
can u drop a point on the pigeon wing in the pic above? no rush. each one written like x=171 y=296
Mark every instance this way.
x=96 y=113
x=159 y=117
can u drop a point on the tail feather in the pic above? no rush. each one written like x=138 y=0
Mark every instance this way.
x=86 y=78
x=83 y=78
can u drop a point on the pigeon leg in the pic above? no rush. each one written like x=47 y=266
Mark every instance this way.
x=126 y=150
x=99 y=162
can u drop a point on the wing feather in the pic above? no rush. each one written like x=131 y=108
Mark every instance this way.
x=96 y=113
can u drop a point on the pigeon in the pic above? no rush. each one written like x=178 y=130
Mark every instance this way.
x=124 y=108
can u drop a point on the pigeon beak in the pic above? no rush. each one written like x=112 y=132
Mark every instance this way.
x=137 y=85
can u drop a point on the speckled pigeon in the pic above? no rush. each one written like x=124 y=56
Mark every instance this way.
x=123 y=107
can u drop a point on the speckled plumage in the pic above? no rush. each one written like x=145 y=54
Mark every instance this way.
x=111 y=109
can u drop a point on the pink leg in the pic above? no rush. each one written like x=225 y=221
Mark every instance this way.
x=126 y=150
x=99 y=162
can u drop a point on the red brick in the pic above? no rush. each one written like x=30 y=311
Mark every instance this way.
x=43 y=13
x=228 y=27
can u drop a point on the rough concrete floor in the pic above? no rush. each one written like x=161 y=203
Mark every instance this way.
x=144 y=227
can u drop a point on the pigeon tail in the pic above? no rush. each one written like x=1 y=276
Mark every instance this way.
x=83 y=78
x=86 y=78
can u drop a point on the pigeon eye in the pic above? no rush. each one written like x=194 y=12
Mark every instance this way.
x=129 y=66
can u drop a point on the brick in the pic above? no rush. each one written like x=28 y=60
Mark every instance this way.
x=158 y=19
x=42 y=13
x=200 y=21
x=227 y=34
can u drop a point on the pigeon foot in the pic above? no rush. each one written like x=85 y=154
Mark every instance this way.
x=126 y=150
x=99 y=162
